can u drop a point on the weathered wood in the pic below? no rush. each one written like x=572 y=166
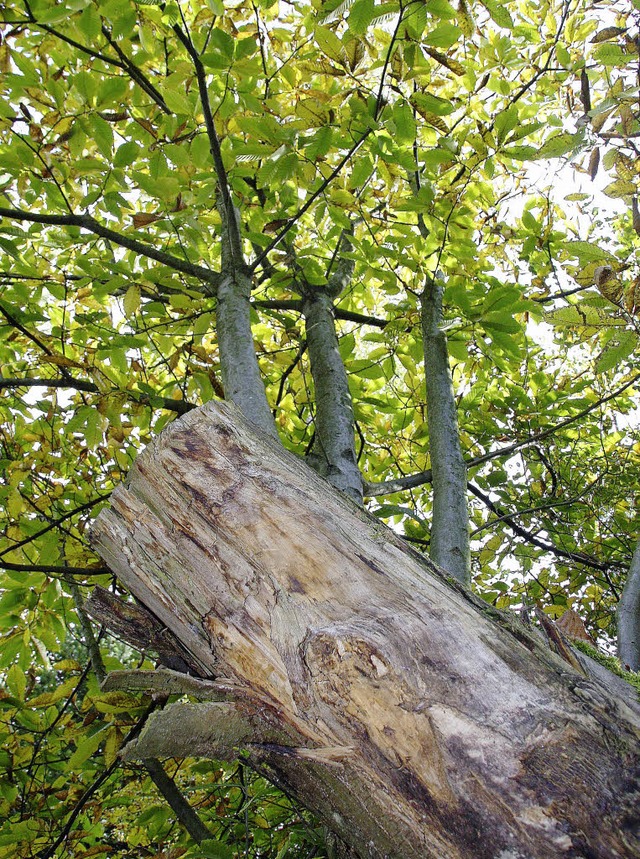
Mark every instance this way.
x=470 y=739
x=138 y=627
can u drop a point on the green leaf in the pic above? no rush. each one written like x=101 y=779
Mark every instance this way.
x=360 y=16
x=9 y=247
x=611 y=55
x=443 y=36
x=16 y=682
x=328 y=42
x=85 y=748
x=404 y=122
x=429 y=103
x=620 y=346
x=560 y=144
x=499 y=12
x=126 y=154
x=102 y=133
x=587 y=252
x=131 y=301
x=210 y=848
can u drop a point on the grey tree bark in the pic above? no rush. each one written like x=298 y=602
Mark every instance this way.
x=414 y=719
x=334 y=451
x=629 y=616
x=449 y=546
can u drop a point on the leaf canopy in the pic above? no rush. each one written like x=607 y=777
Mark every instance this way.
x=436 y=129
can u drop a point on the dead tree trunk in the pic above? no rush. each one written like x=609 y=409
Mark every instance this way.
x=414 y=719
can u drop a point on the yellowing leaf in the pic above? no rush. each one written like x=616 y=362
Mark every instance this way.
x=608 y=33
x=131 y=301
x=328 y=43
x=465 y=19
x=620 y=188
x=448 y=62
x=16 y=682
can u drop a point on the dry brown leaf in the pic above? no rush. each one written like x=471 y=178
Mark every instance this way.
x=571 y=625
x=142 y=219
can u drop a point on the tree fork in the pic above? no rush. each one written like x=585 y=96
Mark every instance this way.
x=413 y=718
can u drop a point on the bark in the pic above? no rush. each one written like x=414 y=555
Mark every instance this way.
x=241 y=378
x=449 y=546
x=414 y=719
x=629 y=616
x=334 y=451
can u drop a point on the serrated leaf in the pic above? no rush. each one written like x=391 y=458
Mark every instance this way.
x=84 y=750
x=617 y=349
x=444 y=36
x=465 y=19
x=499 y=13
x=448 y=62
x=16 y=682
x=561 y=144
x=9 y=247
x=328 y=42
x=521 y=153
x=587 y=252
x=404 y=122
x=426 y=103
x=621 y=188
x=126 y=154
x=506 y=122
x=608 y=33
x=360 y=16
x=611 y=55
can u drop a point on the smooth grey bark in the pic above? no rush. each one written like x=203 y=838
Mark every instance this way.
x=241 y=377
x=334 y=451
x=629 y=616
x=449 y=547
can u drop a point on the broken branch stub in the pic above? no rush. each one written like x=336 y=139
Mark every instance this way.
x=465 y=737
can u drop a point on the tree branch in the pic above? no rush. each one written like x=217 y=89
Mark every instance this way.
x=334 y=450
x=411 y=481
x=231 y=219
x=54 y=569
x=77 y=510
x=86 y=222
x=180 y=407
x=296 y=304
x=135 y=73
x=319 y=190
x=526 y=535
x=176 y=801
x=50 y=851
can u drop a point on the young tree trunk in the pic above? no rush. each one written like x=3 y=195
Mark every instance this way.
x=629 y=616
x=449 y=546
x=414 y=719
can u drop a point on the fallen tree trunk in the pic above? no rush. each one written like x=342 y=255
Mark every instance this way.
x=413 y=718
